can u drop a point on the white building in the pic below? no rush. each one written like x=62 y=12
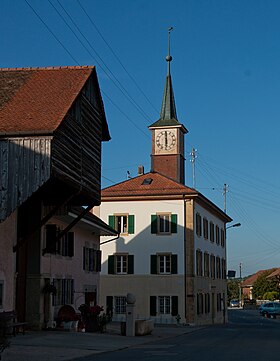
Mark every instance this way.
x=171 y=253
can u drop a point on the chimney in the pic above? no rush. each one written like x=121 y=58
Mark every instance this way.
x=140 y=170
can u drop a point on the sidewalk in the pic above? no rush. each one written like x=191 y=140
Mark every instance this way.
x=63 y=345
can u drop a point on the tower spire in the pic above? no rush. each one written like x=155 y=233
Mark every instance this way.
x=169 y=57
x=168 y=108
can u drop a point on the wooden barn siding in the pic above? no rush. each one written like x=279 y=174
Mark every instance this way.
x=25 y=166
x=76 y=150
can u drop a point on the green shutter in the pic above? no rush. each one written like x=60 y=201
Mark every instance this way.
x=174 y=266
x=111 y=221
x=109 y=305
x=154 y=223
x=130 y=268
x=153 y=305
x=111 y=265
x=174 y=305
x=98 y=261
x=154 y=264
x=173 y=223
x=131 y=224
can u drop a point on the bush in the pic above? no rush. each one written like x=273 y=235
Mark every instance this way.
x=271 y=296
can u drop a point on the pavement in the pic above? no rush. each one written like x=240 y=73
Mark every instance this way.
x=70 y=345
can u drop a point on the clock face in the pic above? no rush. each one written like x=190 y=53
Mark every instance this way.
x=166 y=140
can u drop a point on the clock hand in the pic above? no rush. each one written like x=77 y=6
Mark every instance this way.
x=165 y=139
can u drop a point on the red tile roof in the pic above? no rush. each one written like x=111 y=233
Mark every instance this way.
x=252 y=279
x=37 y=99
x=160 y=185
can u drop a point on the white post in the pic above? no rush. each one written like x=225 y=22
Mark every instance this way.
x=130 y=315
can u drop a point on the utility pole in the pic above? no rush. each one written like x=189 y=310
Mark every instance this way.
x=240 y=288
x=225 y=190
x=193 y=157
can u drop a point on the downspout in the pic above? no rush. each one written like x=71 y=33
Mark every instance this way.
x=185 y=256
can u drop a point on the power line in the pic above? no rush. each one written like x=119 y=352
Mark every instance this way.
x=108 y=72
x=53 y=34
x=64 y=47
x=116 y=56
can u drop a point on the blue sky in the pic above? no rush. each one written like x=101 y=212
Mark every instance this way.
x=226 y=78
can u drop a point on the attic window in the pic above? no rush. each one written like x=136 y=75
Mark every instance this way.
x=147 y=181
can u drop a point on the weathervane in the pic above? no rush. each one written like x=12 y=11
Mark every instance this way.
x=169 y=57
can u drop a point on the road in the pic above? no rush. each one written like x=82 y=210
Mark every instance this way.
x=247 y=336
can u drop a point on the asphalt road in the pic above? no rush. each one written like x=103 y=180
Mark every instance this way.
x=247 y=336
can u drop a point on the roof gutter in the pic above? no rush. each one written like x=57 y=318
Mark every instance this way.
x=110 y=240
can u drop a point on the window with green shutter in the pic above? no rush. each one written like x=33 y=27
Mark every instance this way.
x=122 y=223
x=130 y=268
x=163 y=223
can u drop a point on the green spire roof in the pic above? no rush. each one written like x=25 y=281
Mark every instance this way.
x=168 y=115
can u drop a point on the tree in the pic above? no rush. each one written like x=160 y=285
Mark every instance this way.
x=232 y=289
x=263 y=285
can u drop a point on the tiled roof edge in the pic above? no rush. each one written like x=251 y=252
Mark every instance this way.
x=50 y=68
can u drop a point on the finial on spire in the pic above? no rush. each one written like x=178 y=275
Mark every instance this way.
x=169 y=57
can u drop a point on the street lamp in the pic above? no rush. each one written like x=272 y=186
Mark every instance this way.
x=234 y=225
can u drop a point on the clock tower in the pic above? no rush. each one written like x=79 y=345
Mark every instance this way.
x=167 y=155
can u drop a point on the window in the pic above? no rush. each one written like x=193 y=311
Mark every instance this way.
x=120 y=305
x=66 y=245
x=198 y=262
x=91 y=260
x=212 y=265
x=163 y=223
x=198 y=224
x=217 y=235
x=211 y=231
x=206 y=265
x=1 y=293
x=164 y=305
x=121 y=264
x=164 y=263
x=122 y=223
x=147 y=181
x=63 y=246
x=205 y=228
x=222 y=237
x=64 y=292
